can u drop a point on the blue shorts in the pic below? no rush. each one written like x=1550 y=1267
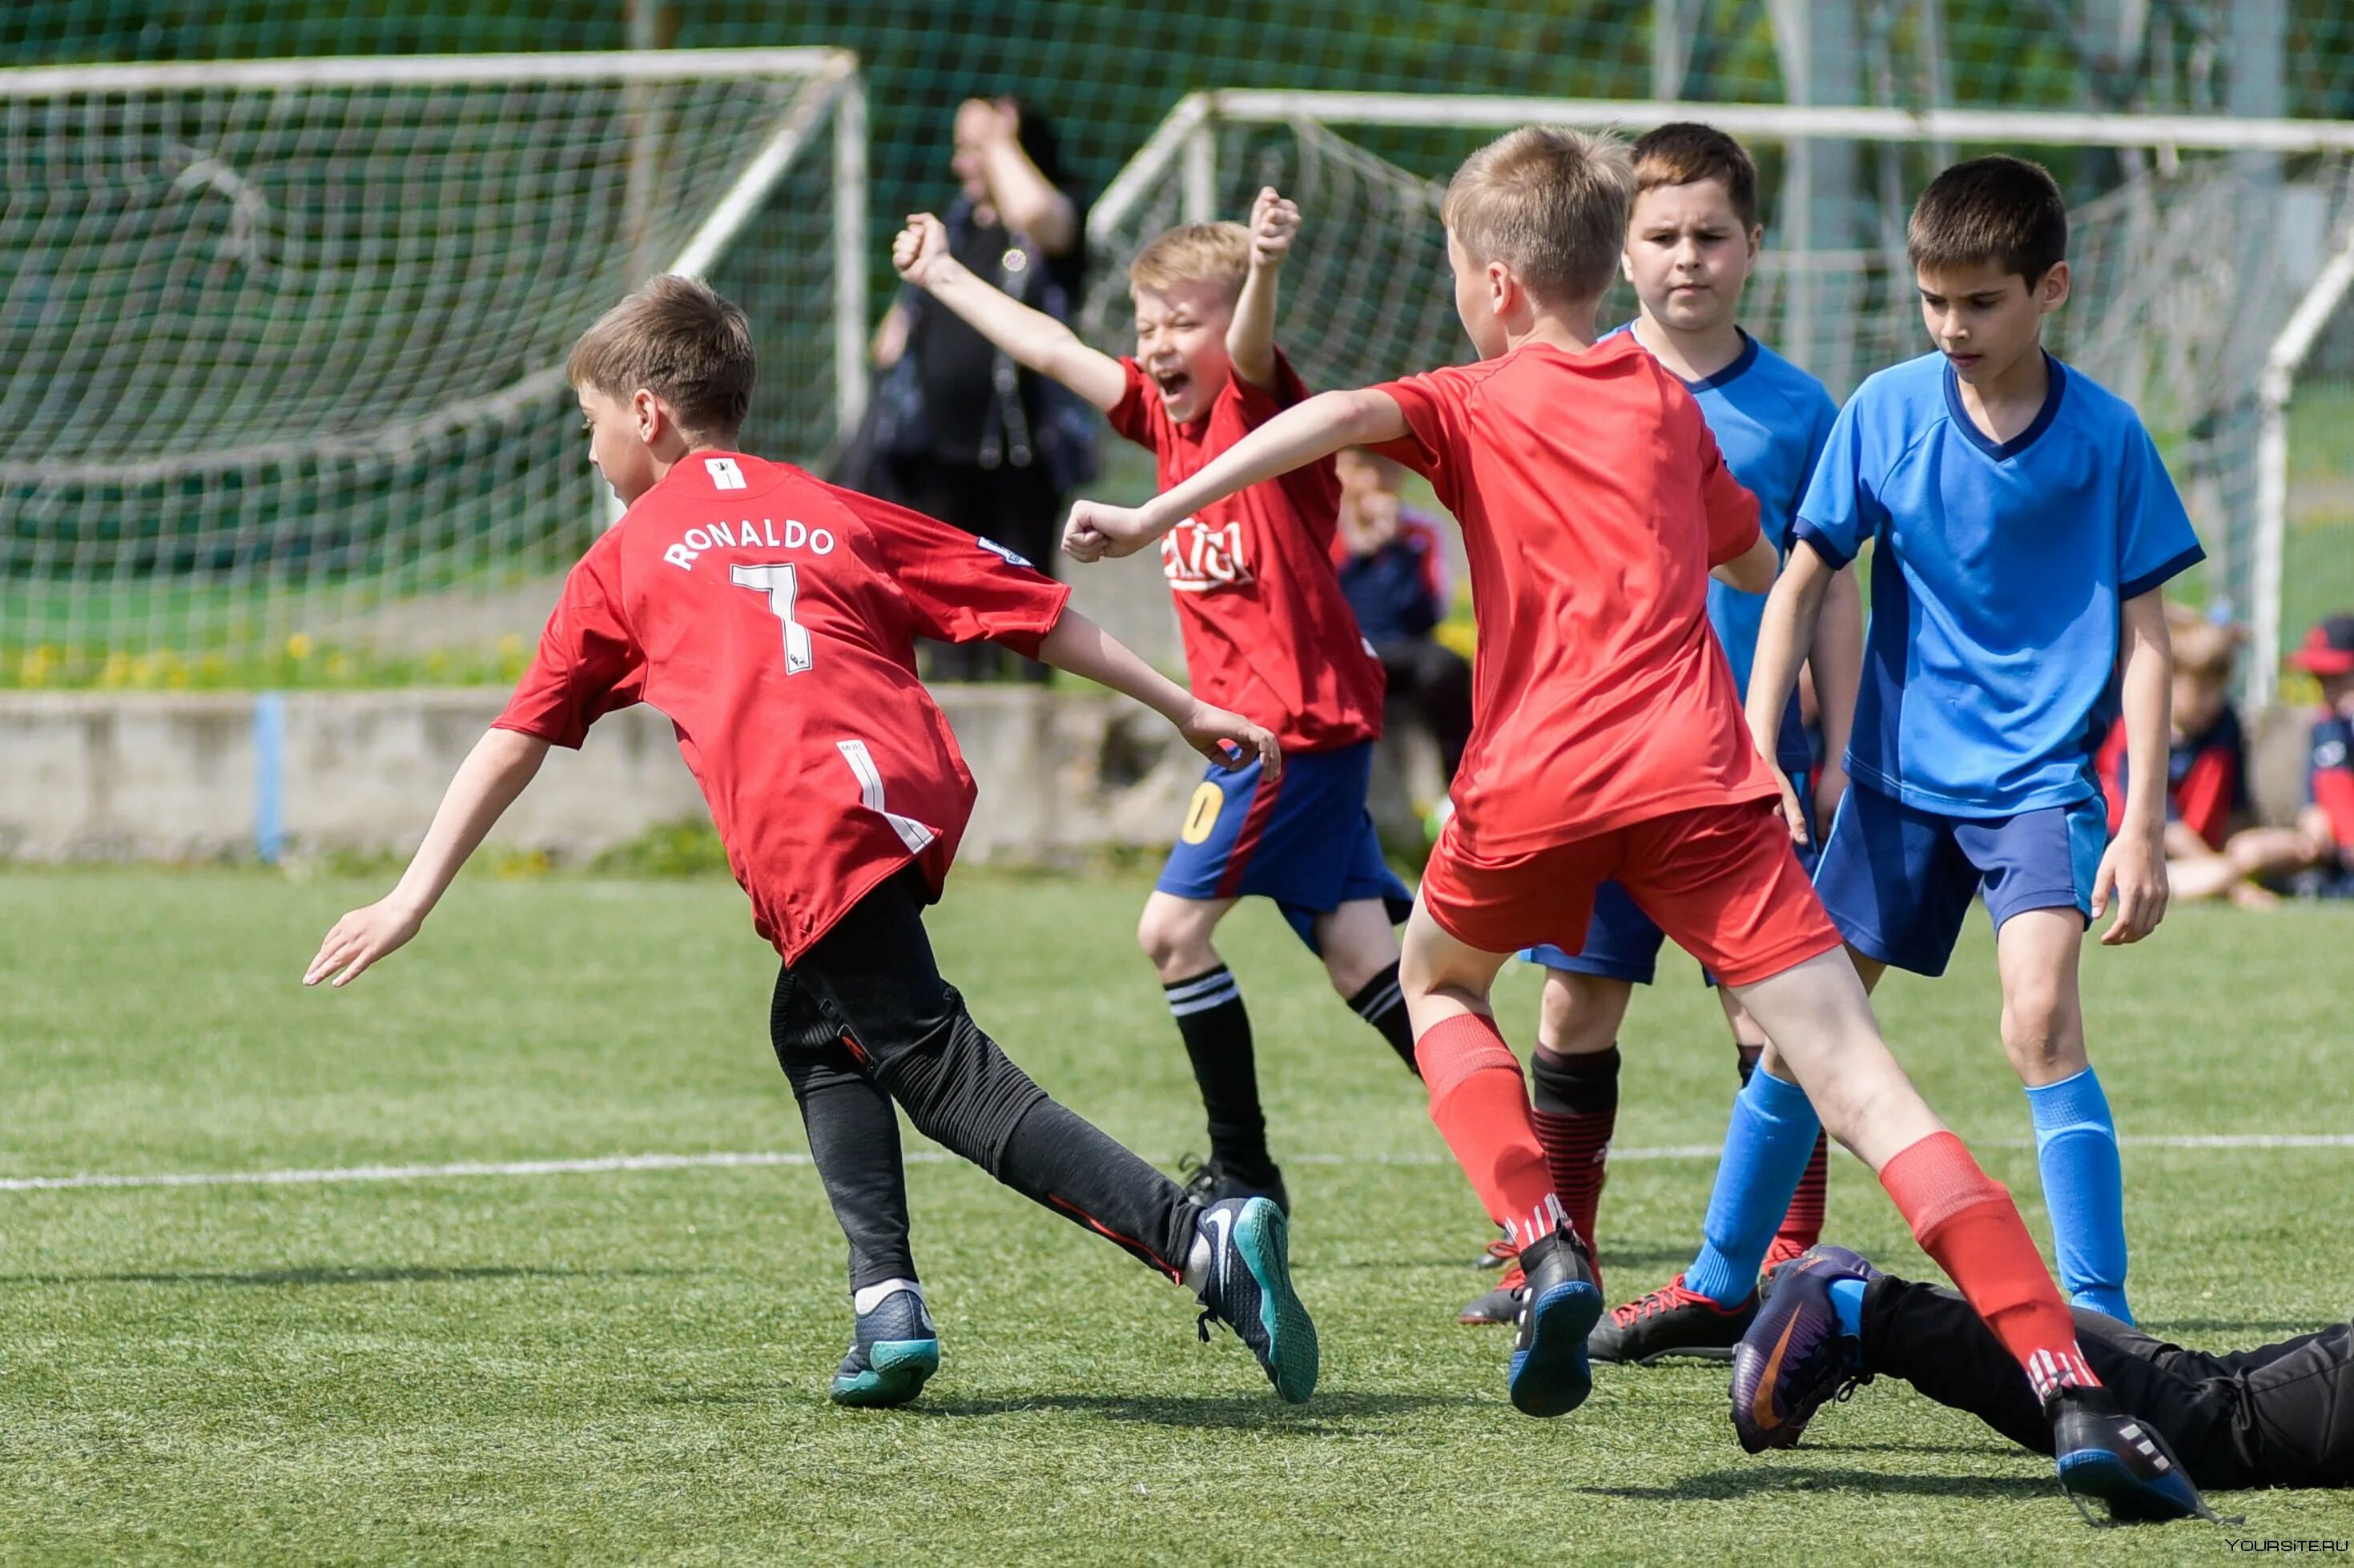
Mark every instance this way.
x=1307 y=841
x=1621 y=941
x=1897 y=879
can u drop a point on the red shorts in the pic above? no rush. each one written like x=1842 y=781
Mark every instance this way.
x=1723 y=882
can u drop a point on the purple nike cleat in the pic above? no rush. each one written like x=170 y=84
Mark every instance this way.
x=1797 y=1355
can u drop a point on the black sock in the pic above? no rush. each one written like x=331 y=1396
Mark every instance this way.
x=1574 y=1085
x=1217 y=1033
x=1381 y=1003
x=1746 y=1059
x=853 y=1138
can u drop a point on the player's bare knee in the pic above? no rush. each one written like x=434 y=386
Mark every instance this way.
x=1581 y=1014
x=1178 y=945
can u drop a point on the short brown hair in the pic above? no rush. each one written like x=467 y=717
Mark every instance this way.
x=1687 y=153
x=1995 y=210
x=678 y=339
x=1217 y=253
x=2203 y=648
x=1548 y=201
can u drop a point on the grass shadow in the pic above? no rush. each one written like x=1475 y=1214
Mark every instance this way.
x=330 y=1274
x=1731 y=1485
x=2172 y=1329
x=1324 y=1415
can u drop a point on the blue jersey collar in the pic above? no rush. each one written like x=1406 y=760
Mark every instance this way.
x=1742 y=362
x=2001 y=450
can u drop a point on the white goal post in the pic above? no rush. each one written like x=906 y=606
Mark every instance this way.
x=2192 y=269
x=282 y=344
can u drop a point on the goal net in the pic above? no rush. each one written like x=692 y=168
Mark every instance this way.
x=2193 y=241
x=282 y=344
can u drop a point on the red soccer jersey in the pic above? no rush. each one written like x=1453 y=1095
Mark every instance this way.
x=1267 y=634
x=773 y=618
x=1593 y=503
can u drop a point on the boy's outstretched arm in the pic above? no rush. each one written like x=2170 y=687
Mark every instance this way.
x=1784 y=637
x=1085 y=649
x=1250 y=334
x=1300 y=435
x=486 y=784
x=1034 y=338
x=2134 y=868
x=1754 y=570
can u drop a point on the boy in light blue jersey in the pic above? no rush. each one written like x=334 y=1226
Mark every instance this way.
x=1692 y=239
x=2024 y=526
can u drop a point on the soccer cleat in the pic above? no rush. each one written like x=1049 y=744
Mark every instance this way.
x=1212 y=1180
x=1783 y=1251
x=1548 y=1374
x=2117 y=1461
x=1795 y=1356
x=894 y=1350
x=1248 y=1289
x=1501 y=1253
x=1501 y=1305
x=1671 y=1322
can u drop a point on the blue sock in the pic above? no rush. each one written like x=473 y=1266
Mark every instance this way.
x=1847 y=1301
x=1767 y=1146
x=2076 y=1147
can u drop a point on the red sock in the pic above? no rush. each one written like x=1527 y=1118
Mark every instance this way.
x=1575 y=1147
x=1481 y=1107
x=1966 y=1220
x=1576 y=1112
x=1802 y=1227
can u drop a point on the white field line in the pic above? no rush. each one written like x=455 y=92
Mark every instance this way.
x=626 y=1163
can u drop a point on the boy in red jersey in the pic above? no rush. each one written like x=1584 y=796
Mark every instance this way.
x=1268 y=633
x=773 y=618
x=1609 y=743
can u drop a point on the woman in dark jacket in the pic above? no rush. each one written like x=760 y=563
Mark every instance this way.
x=960 y=431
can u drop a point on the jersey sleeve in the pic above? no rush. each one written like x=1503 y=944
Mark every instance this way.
x=1433 y=406
x=1731 y=509
x=2329 y=776
x=1840 y=510
x=589 y=663
x=1132 y=417
x=957 y=588
x=2154 y=540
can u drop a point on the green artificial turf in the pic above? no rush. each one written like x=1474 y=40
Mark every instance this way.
x=631 y=1365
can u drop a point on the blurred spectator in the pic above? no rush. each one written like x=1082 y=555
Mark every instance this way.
x=957 y=429
x=2207 y=765
x=1392 y=567
x=2315 y=857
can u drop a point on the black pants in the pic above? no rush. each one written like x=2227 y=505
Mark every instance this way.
x=1437 y=680
x=2279 y=1416
x=1017 y=507
x=865 y=1019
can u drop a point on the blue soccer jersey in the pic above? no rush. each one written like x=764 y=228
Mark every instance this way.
x=1770 y=419
x=1989 y=667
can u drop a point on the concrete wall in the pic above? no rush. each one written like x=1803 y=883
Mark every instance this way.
x=123 y=775
x=156 y=775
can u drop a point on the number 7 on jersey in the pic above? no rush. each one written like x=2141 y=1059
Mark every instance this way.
x=779 y=583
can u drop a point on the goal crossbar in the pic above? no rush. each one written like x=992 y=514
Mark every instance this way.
x=425 y=71
x=1180 y=133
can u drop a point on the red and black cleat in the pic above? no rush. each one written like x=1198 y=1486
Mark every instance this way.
x=1671 y=1322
